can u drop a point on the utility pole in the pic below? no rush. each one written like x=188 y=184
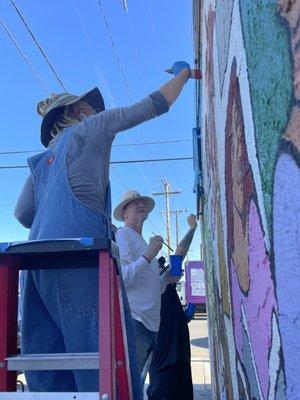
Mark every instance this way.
x=176 y=212
x=167 y=192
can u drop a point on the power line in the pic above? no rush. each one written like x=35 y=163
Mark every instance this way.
x=106 y=84
x=136 y=53
x=24 y=56
x=154 y=37
x=37 y=44
x=115 y=145
x=115 y=50
x=104 y=81
x=152 y=160
x=119 y=176
x=120 y=65
x=115 y=162
x=138 y=63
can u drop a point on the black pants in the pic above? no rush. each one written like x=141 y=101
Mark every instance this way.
x=173 y=382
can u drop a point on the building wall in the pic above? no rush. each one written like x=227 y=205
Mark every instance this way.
x=249 y=117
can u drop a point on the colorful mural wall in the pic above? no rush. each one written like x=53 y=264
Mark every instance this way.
x=248 y=112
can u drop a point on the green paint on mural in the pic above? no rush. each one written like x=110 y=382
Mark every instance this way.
x=270 y=74
x=209 y=266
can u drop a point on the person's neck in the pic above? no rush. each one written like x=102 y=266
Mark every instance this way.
x=135 y=225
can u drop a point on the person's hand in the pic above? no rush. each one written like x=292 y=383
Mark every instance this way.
x=179 y=66
x=192 y=221
x=169 y=278
x=155 y=244
x=172 y=279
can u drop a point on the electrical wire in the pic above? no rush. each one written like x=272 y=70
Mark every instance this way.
x=138 y=63
x=105 y=80
x=24 y=55
x=115 y=145
x=154 y=37
x=37 y=44
x=115 y=50
x=115 y=162
x=120 y=65
x=136 y=53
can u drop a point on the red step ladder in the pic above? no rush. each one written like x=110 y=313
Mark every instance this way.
x=113 y=363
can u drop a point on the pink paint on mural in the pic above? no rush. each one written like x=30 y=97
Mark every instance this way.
x=259 y=302
x=252 y=286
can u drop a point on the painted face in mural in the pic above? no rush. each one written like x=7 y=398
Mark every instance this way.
x=240 y=187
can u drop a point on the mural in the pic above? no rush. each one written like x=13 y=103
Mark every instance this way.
x=249 y=105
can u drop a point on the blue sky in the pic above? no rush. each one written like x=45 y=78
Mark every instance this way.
x=149 y=37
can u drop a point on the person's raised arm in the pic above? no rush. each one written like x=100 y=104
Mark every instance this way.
x=171 y=89
x=112 y=121
x=185 y=243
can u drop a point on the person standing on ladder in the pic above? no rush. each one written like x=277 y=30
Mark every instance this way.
x=67 y=195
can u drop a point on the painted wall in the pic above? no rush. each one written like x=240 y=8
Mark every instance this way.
x=249 y=117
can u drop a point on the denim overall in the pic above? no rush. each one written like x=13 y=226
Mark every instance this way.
x=60 y=307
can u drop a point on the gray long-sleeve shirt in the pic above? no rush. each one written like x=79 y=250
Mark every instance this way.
x=89 y=154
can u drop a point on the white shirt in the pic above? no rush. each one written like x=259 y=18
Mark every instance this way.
x=142 y=281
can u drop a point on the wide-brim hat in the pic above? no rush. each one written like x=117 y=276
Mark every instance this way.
x=127 y=198
x=50 y=108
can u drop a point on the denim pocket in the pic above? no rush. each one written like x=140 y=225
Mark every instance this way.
x=79 y=291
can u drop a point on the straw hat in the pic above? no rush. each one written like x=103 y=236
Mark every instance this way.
x=127 y=198
x=50 y=107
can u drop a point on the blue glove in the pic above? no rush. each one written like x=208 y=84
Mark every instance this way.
x=179 y=66
x=190 y=311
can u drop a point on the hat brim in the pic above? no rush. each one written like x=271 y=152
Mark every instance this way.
x=118 y=211
x=93 y=98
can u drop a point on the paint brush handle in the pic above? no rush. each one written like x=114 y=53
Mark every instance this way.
x=167 y=246
x=195 y=73
x=164 y=243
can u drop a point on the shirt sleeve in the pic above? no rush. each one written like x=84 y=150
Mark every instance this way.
x=130 y=268
x=24 y=210
x=110 y=122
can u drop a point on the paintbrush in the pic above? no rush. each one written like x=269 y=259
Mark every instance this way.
x=164 y=243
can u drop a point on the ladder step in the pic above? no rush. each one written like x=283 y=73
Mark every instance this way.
x=59 y=361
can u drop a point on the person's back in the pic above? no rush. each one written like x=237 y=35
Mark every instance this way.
x=170 y=370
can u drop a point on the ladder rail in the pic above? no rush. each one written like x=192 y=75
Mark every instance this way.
x=9 y=279
x=112 y=359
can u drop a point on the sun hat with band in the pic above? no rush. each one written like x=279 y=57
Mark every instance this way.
x=51 y=107
x=127 y=198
